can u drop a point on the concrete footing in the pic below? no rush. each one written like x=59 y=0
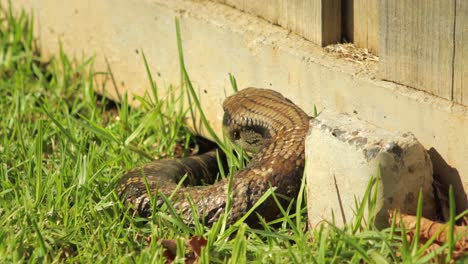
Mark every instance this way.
x=343 y=153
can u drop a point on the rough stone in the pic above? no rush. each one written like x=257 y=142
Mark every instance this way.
x=344 y=153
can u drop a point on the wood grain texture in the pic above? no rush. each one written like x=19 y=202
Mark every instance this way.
x=460 y=82
x=416 y=44
x=316 y=20
x=361 y=23
x=366 y=24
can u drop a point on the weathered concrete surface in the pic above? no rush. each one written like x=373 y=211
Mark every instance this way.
x=219 y=40
x=343 y=153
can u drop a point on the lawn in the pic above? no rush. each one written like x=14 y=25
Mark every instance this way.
x=63 y=149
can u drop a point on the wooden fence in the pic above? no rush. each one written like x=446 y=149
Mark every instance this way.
x=421 y=43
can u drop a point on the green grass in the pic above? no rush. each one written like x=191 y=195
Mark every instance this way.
x=63 y=149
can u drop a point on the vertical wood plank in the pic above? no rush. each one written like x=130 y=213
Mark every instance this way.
x=316 y=20
x=331 y=22
x=416 y=44
x=372 y=42
x=460 y=82
x=361 y=23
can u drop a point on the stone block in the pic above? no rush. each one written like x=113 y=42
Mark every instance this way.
x=343 y=153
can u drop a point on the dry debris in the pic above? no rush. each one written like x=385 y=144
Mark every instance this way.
x=349 y=52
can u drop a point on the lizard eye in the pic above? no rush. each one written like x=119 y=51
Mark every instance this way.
x=235 y=135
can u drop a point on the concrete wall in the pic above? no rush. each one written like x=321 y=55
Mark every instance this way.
x=219 y=40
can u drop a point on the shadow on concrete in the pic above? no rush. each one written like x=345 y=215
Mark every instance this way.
x=447 y=176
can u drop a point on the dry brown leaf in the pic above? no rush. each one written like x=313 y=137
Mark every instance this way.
x=170 y=251
x=194 y=245
x=428 y=229
x=197 y=243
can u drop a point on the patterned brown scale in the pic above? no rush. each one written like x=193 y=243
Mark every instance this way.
x=259 y=120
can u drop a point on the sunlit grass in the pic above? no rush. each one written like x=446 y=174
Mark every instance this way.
x=63 y=149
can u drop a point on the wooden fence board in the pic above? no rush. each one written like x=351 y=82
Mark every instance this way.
x=361 y=23
x=460 y=87
x=416 y=44
x=316 y=20
x=330 y=20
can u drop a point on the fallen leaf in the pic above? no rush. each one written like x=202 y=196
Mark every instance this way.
x=170 y=251
x=194 y=246
x=429 y=229
x=197 y=243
